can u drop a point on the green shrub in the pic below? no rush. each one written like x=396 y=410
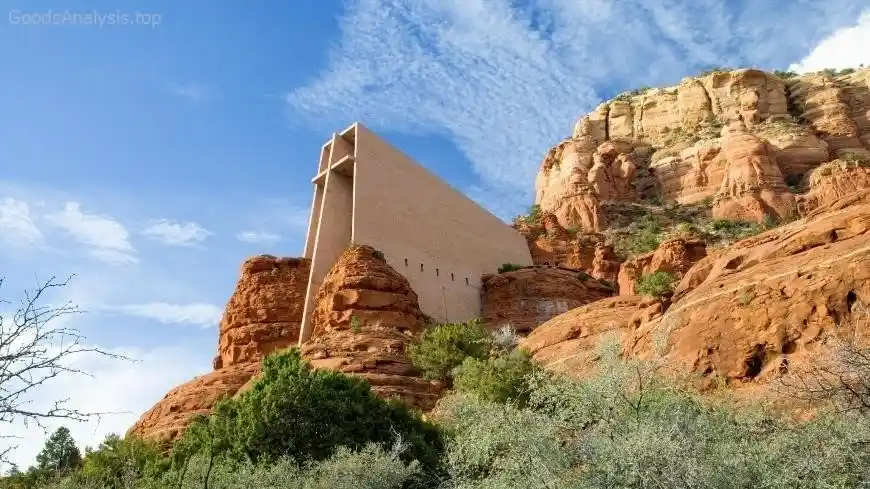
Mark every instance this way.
x=645 y=236
x=294 y=411
x=443 y=347
x=785 y=75
x=369 y=468
x=509 y=267
x=500 y=378
x=625 y=427
x=656 y=284
x=735 y=230
x=117 y=459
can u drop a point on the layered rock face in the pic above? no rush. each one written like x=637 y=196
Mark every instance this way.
x=675 y=256
x=746 y=313
x=526 y=298
x=832 y=182
x=263 y=314
x=569 y=343
x=741 y=137
x=365 y=316
x=265 y=311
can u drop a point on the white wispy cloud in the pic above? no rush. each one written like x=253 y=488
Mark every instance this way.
x=107 y=239
x=258 y=237
x=193 y=92
x=122 y=389
x=16 y=224
x=846 y=48
x=176 y=233
x=505 y=83
x=196 y=314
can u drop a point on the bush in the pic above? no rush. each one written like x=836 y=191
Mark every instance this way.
x=509 y=267
x=370 y=468
x=117 y=459
x=625 y=427
x=735 y=230
x=295 y=411
x=500 y=378
x=656 y=284
x=442 y=348
x=645 y=236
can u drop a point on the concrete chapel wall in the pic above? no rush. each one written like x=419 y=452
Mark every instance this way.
x=435 y=236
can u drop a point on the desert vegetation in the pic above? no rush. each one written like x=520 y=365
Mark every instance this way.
x=506 y=424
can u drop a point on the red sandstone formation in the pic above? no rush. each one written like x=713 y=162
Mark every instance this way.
x=753 y=186
x=262 y=315
x=675 y=256
x=569 y=343
x=528 y=297
x=365 y=316
x=744 y=313
x=264 y=312
x=832 y=182
x=666 y=143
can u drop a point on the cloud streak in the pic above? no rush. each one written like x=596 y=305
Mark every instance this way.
x=175 y=233
x=107 y=239
x=16 y=224
x=196 y=314
x=505 y=83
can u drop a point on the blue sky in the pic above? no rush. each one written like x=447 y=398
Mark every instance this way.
x=151 y=160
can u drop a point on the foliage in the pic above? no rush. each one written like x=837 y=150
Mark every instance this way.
x=625 y=427
x=712 y=70
x=372 y=467
x=645 y=236
x=850 y=157
x=355 y=324
x=295 y=411
x=785 y=75
x=656 y=284
x=60 y=454
x=442 y=348
x=509 y=267
x=730 y=230
x=533 y=217
x=116 y=459
x=499 y=378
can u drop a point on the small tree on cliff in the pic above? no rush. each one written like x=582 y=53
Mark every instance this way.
x=35 y=348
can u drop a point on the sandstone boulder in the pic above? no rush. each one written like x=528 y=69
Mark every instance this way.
x=265 y=311
x=365 y=316
x=675 y=256
x=528 y=297
x=832 y=182
x=262 y=315
x=753 y=186
x=568 y=343
x=749 y=311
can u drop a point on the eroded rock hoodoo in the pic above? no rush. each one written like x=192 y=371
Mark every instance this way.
x=366 y=314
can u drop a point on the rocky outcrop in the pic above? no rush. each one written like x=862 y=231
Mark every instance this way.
x=265 y=311
x=749 y=311
x=746 y=313
x=528 y=297
x=753 y=187
x=675 y=256
x=569 y=343
x=552 y=244
x=666 y=143
x=365 y=316
x=263 y=315
x=605 y=265
x=167 y=420
x=832 y=182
